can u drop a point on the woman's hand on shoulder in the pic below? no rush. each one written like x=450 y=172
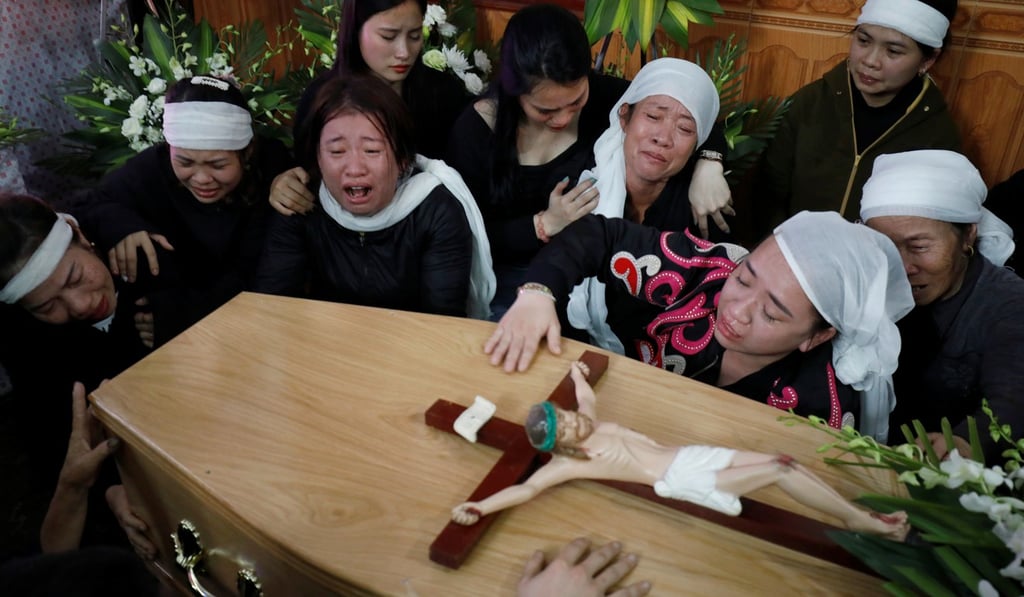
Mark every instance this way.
x=709 y=195
x=288 y=192
x=124 y=258
x=530 y=318
x=565 y=207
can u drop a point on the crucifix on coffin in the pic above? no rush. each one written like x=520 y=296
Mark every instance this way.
x=702 y=480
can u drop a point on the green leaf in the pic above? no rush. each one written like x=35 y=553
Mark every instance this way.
x=645 y=15
x=158 y=46
x=711 y=6
x=678 y=31
x=204 y=41
x=601 y=17
x=928 y=584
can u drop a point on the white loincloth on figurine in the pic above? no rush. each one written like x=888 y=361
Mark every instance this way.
x=691 y=477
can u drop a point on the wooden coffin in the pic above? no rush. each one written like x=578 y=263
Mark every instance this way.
x=291 y=434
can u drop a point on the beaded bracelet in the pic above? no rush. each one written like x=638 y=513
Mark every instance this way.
x=536 y=288
x=538 y=224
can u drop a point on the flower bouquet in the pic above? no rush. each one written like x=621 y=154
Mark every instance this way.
x=120 y=98
x=446 y=49
x=967 y=519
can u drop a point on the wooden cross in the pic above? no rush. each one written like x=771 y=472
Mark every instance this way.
x=519 y=460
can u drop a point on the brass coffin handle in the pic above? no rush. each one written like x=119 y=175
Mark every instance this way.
x=190 y=555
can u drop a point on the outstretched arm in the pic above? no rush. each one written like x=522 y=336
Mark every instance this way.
x=558 y=470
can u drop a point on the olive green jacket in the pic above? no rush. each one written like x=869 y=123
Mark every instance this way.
x=813 y=162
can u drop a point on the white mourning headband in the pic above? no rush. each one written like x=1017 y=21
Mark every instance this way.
x=207 y=125
x=912 y=18
x=42 y=263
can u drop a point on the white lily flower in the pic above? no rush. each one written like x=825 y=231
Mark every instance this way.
x=960 y=470
x=138 y=65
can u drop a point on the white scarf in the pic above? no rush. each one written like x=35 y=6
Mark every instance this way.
x=409 y=195
x=854 y=277
x=43 y=261
x=684 y=82
x=912 y=18
x=207 y=126
x=939 y=185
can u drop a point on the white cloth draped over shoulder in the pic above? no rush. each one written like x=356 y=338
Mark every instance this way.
x=854 y=277
x=684 y=82
x=940 y=185
x=409 y=195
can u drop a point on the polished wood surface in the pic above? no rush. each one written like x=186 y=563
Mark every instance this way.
x=293 y=431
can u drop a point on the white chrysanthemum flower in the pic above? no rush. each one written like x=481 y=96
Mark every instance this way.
x=139 y=107
x=138 y=65
x=435 y=15
x=157 y=86
x=482 y=61
x=152 y=134
x=473 y=83
x=131 y=128
x=456 y=59
x=139 y=145
x=447 y=30
x=157 y=108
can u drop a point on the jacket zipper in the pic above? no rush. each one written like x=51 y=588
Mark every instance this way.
x=858 y=156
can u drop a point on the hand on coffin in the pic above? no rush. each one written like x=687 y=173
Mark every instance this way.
x=65 y=518
x=531 y=317
x=133 y=526
x=577 y=573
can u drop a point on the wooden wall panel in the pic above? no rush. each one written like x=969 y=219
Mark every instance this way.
x=793 y=42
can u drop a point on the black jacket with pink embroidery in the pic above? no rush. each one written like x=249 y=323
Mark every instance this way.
x=662 y=291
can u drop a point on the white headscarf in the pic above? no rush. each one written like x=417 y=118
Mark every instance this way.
x=409 y=195
x=854 y=277
x=43 y=262
x=940 y=185
x=684 y=82
x=915 y=19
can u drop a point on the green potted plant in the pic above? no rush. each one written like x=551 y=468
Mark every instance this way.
x=637 y=20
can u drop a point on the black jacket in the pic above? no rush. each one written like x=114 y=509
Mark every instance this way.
x=422 y=263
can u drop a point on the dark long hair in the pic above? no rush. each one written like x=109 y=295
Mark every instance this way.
x=24 y=223
x=253 y=179
x=541 y=42
x=354 y=15
x=363 y=94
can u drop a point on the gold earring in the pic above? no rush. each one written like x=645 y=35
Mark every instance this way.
x=970 y=251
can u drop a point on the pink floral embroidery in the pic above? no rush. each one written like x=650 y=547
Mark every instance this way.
x=788 y=400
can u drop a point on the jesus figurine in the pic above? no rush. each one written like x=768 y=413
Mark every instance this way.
x=584 y=448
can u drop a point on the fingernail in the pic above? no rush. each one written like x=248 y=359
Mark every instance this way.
x=631 y=558
x=593 y=180
x=113 y=443
x=566 y=179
